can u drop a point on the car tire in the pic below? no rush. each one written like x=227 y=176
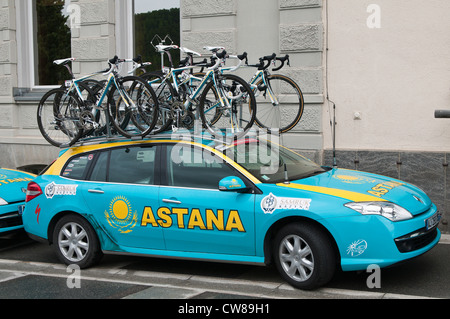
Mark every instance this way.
x=75 y=242
x=304 y=256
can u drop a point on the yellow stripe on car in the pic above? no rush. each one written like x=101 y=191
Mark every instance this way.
x=351 y=196
x=58 y=166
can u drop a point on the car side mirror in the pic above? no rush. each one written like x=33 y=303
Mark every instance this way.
x=232 y=184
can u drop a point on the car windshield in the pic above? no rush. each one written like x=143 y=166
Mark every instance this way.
x=270 y=162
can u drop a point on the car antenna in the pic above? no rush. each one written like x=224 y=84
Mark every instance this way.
x=286 y=177
x=333 y=128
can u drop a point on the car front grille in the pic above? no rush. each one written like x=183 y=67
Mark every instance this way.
x=10 y=220
x=416 y=240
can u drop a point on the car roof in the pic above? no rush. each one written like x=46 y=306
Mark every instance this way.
x=204 y=138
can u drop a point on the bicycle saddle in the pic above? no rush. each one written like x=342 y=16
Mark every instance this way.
x=189 y=52
x=63 y=61
x=213 y=49
x=161 y=47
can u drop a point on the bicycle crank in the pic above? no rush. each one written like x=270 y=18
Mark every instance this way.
x=87 y=121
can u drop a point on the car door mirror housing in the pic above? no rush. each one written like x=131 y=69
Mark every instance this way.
x=232 y=184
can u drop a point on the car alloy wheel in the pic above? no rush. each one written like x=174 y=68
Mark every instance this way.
x=296 y=258
x=73 y=242
x=304 y=255
x=76 y=242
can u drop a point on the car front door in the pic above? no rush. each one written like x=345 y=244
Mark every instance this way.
x=195 y=215
x=121 y=184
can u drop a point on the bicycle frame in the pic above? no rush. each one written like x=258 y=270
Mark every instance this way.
x=259 y=74
x=203 y=81
x=109 y=82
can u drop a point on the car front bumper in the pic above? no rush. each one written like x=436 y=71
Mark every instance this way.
x=11 y=217
x=375 y=240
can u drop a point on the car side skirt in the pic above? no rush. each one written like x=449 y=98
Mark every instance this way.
x=232 y=259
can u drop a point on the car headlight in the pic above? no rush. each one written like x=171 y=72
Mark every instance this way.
x=3 y=202
x=389 y=210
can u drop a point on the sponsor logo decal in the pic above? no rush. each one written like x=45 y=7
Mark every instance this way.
x=271 y=203
x=382 y=189
x=4 y=180
x=357 y=248
x=53 y=189
x=211 y=220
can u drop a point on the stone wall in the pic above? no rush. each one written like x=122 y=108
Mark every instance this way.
x=429 y=171
x=291 y=27
x=93 y=43
x=94 y=40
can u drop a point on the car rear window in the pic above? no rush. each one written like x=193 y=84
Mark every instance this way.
x=77 y=168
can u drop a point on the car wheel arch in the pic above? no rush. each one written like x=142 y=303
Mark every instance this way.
x=56 y=218
x=278 y=225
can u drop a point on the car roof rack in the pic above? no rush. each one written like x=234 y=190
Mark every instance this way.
x=183 y=134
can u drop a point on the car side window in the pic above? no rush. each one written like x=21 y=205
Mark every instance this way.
x=192 y=167
x=78 y=167
x=99 y=172
x=132 y=165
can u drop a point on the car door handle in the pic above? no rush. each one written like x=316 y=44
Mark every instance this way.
x=171 y=201
x=96 y=191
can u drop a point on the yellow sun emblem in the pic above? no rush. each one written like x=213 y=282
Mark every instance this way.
x=349 y=179
x=121 y=216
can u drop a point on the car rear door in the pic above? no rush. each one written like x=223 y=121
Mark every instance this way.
x=122 y=182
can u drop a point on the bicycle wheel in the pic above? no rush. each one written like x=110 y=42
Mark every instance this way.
x=58 y=118
x=132 y=107
x=280 y=103
x=165 y=95
x=228 y=109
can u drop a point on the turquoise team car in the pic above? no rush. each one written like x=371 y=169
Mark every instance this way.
x=13 y=185
x=249 y=202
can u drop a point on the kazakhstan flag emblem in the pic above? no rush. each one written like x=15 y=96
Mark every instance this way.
x=120 y=215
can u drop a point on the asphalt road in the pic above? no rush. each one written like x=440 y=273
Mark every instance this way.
x=30 y=270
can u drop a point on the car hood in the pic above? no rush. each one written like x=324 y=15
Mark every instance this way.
x=356 y=186
x=11 y=184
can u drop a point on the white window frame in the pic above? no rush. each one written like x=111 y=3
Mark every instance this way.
x=25 y=44
x=124 y=30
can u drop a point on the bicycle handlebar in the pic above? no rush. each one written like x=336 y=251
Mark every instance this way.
x=241 y=58
x=115 y=61
x=222 y=55
x=283 y=60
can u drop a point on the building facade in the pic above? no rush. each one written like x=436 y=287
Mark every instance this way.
x=378 y=67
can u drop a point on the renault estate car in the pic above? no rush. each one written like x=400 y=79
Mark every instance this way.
x=251 y=201
x=13 y=184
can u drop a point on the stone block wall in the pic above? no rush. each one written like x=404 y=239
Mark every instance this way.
x=94 y=39
x=291 y=27
x=8 y=59
x=429 y=171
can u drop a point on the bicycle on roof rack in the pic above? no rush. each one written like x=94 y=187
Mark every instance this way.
x=66 y=114
x=280 y=100
x=224 y=103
